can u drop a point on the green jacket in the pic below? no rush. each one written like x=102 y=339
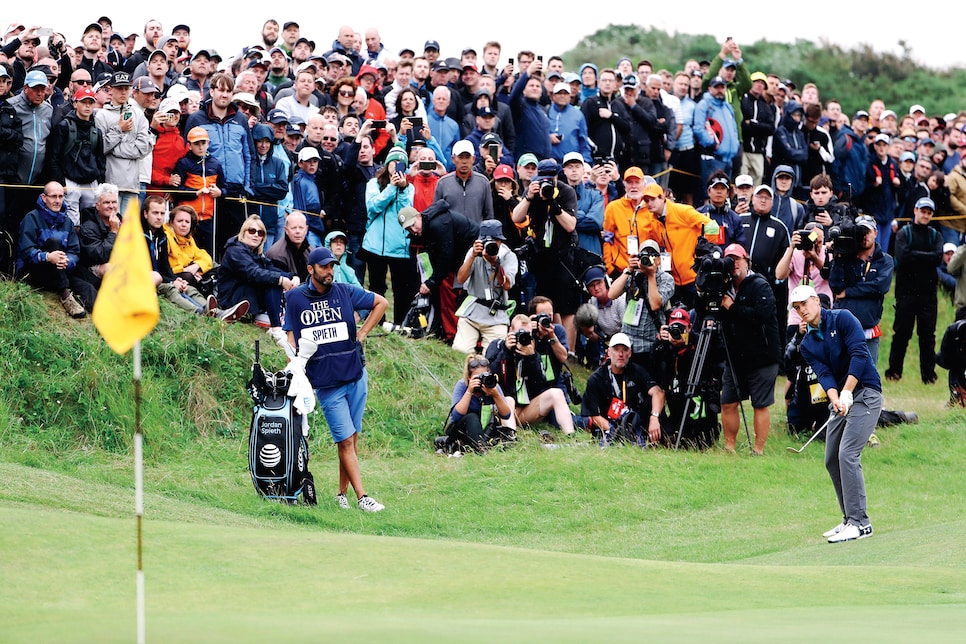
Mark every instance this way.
x=734 y=90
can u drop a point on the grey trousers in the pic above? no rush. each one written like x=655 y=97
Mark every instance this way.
x=846 y=437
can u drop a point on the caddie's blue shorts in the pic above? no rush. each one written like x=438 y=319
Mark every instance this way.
x=343 y=407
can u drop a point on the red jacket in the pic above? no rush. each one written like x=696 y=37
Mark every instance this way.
x=168 y=149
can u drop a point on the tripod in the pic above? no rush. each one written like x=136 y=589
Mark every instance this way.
x=710 y=326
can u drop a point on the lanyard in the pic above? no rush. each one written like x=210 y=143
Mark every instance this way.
x=621 y=391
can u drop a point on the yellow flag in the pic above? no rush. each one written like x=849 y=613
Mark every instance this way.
x=127 y=308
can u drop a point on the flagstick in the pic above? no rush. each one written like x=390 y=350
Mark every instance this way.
x=138 y=487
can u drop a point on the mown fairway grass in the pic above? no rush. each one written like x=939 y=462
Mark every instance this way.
x=572 y=544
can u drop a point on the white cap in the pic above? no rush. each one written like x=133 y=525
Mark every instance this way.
x=949 y=247
x=169 y=105
x=572 y=156
x=308 y=153
x=744 y=180
x=561 y=87
x=620 y=339
x=177 y=92
x=916 y=108
x=801 y=293
x=463 y=146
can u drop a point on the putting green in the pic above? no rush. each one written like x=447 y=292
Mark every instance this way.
x=70 y=577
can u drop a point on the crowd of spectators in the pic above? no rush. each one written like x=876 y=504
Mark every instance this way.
x=489 y=183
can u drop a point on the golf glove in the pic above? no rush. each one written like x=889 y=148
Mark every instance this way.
x=845 y=400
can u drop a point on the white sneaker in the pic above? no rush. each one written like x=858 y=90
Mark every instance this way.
x=233 y=313
x=369 y=504
x=850 y=533
x=342 y=501
x=262 y=321
x=834 y=531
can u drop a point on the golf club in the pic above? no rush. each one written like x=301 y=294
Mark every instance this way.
x=814 y=436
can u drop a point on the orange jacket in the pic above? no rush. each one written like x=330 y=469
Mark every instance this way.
x=678 y=235
x=620 y=219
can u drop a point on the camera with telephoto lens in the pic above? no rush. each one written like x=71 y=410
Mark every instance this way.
x=844 y=235
x=527 y=250
x=490 y=247
x=487 y=381
x=806 y=239
x=547 y=188
x=543 y=320
x=524 y=338
x=647 y=257
x=677 y=330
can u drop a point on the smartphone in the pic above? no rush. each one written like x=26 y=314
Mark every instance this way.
x=427 y=165
x=127 y=113
x=494 y=151
x=45 y=32
x=378 y=125
x=417 y=122
x=540 y=58
x=509 y=61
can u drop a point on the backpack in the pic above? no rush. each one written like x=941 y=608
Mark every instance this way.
x=278 y=452
x=74 y=147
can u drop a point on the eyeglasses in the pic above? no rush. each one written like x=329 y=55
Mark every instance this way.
x=476 y=364
x=346 y=93
x=256 y=231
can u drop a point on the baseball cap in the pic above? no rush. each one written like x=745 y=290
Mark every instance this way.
x=322 y=256
x=949 y=247
x=120 y=79
x=784 y=170
x=407 y=216
x=181 y=28
x=744 y=180
x=485 y=111
x=169 y=105
x=527 y=159
x=916 y=108
x=491 y=137
x=292 y=130
x=145 y=85
x=573 y=157
x=651 y=245
x=630 y=81
x=861 y=114
x=336 y=234
x=245 y=98
x=926 y=202
x=503 y=171
x=801 y=293
x=593 y=274
x=759 y=76
x=440 y=66
x=866 y=222
x=764 y=188
x=716 y=81
x=471 y=67
x=719 y=181
x=547 y=168
x=463 y=147
x=620 y=340
x=885 y=114
x=680 y=315
x=308 y=153
x=883 y=138
x=431 y=44
x=36 y=78
x=277 y=116
x=84 y=93
x=653 y=190
x=491 y=228
x=197 y=133
x=635 y=172
x=907 y=156
x=177 y=92
x=736 y=250
x=561 y=87
x=730 y=63
x=158 y=52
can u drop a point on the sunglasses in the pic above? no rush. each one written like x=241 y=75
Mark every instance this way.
x=476 y=364
x=346 y=93
x=329 y=138
x=81 y=82
x=256 y=231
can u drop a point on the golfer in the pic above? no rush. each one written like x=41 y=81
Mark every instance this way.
x=835 y=348
x=322 y=311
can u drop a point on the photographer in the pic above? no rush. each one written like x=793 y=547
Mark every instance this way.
x=803 y=263
x=481 y=414
x=860 y=275
x=647 y=290
x=675 y=352
x=620 y=395
x=751 y=334
x=487 y=274
x=520 y=367
x=718 y=207
x=548 y=212
x=599 y=318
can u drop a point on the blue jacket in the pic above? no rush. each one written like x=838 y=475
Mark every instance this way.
x=269 y=184
x=531 y=123
x=850 y=164
x=720 y=110
x=590 y=217
x=587 y=91
x=305 y=197
x=865 y=285
x=446 y=131
x=384 y=236
x=570 y=124
x=837 y=350
x=38 y=228
x=230 y=143
x=789 y=146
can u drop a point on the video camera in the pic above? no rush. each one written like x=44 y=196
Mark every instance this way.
x=844 y=235
x=713 y=272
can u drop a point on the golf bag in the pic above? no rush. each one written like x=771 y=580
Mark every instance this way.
x=420 y=320
x=278 y=453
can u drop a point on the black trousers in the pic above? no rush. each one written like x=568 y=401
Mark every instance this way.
x=919 y=310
